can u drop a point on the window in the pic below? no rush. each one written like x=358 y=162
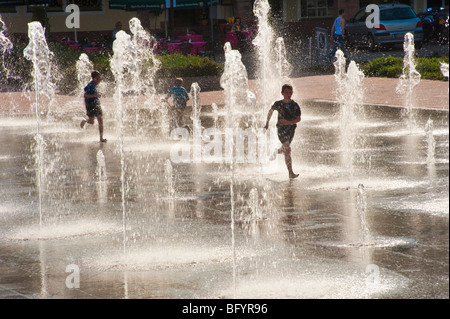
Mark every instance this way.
x=9 y=6
x=88 y=5
x=361 y=16
x=60 y=5
x=8 y=9
x=397 y=14
x=55 y=6
x=317 y=8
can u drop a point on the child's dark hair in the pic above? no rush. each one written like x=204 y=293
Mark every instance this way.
x=341 y=11
x=94 y=74
x=286 y=86
x=179 y=81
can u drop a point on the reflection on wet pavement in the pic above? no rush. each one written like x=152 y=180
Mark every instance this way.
x=292 y=238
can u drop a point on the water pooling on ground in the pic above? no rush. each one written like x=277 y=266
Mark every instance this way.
x=140 y=225
x=293 y=239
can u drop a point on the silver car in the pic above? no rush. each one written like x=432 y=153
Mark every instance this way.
x=395 y=21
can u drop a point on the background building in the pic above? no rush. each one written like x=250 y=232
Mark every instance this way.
x=98 y=17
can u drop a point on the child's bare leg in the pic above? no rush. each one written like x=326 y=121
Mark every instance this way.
x=179 y=117
x=100 y=128
x=90 y=120
x=286 y=149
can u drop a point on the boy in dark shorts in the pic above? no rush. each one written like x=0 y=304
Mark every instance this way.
x=289 y=114
x=92 y=102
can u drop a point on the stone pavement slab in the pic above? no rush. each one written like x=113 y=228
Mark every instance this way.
x=377 y=91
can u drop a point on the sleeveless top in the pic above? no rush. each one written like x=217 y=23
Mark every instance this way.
x=337 y=26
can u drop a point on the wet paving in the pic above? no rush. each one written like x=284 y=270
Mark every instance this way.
x=139 y=225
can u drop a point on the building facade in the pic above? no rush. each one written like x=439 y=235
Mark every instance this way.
x=96 y=16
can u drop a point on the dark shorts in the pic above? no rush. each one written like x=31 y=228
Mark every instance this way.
x=179 y=105
x=286 y=133
x=93 y=110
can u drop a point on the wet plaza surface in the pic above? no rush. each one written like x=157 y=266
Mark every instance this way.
x=375 y=229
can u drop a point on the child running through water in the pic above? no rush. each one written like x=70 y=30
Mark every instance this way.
x=289 y=114
x=92 y=102
x=180 y=98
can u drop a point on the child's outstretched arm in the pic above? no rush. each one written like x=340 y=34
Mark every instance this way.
x=269 y=115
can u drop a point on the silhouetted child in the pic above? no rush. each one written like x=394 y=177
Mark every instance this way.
x=92 y=102
x=289 y=114
x=180 y=98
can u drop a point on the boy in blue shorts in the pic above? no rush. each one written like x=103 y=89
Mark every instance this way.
x=92 y=102
x=289 y=114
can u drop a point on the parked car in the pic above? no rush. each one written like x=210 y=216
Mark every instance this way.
x=395 y=21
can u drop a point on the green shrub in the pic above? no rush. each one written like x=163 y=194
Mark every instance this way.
x=391 y=71
x=178 y=65
x=429 y=68
x=382 y=66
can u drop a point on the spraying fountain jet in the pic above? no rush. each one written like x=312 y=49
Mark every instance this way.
x=5 y=45
x=215 y=112
x=361 y=206
x=84 y=69
x=444 y=70
x=409 y=79
x=431 y=147
x=349 y=95
x=39 y=54
x=121 y=62
x=263 y=43
x=101 y=166
x=143 y=68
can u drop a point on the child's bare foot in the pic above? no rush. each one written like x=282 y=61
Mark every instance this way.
x=103 y=140
x=273 y=156
x=83 y=122
x=292 y=175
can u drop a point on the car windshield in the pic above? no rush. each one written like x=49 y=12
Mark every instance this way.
x=397 y=14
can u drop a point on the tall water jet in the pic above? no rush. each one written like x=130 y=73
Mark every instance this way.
x=196 y=122
x=254 y=204
x=431 y=143
x=266 y=60
x=101 y=166
x=143 y=68
x=121 y=63
x=409 y=79
x=444 y=70
x=196 y=103
x=168 y=172
x=39 y=54
x=273 y=68
x=234 y=81
x=361 y=206
x=100 y=173
x=215 y=112
x=253 y=215
x=350 y=98
x=5 y=46
x=283 y=66
x=84 y=68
